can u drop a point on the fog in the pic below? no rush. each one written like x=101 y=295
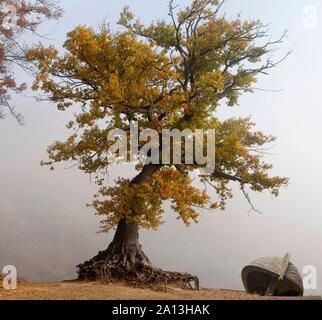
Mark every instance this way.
x=46 y=228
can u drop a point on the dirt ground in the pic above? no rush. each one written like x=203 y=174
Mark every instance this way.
x=76 y=290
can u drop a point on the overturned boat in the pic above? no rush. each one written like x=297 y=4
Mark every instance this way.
x=273 y=276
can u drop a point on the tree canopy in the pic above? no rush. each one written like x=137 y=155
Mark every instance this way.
x=173 y=73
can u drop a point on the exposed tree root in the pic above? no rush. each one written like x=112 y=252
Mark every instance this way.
x=124 y=260
x=139 y=273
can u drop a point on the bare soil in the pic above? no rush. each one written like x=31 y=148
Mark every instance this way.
x=78 y=290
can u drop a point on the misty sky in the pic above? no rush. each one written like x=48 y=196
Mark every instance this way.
x=46 y=229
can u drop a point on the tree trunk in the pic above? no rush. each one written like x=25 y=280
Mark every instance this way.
x=124 y=258
x=126 y=245
x=126 y=240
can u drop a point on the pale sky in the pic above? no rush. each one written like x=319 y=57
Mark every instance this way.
x=46 y=229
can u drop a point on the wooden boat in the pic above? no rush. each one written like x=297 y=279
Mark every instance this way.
x=273 y=276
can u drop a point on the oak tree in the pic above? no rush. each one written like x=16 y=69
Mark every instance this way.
x=171 y=74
